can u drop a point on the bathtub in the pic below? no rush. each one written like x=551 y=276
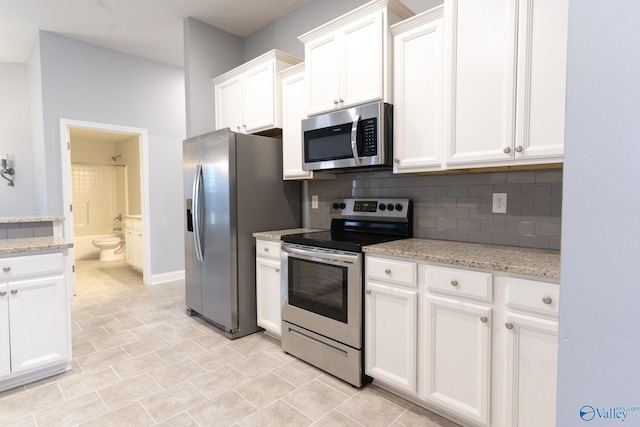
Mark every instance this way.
x=84 y=249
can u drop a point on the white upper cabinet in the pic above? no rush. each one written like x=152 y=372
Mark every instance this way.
x=349 y=60
x=480 y=76
x=417 y=130
x=542 y=72
x=248 y=98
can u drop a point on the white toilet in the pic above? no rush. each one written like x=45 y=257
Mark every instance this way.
x=110 y=248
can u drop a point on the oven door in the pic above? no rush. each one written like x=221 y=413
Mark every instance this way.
x=323 y=292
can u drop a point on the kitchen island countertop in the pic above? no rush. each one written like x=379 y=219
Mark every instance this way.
x=543 y=263
x=32 y=244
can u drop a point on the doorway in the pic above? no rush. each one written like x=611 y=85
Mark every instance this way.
x=105 y=186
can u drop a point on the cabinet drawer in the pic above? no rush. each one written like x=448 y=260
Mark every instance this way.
x=392 y=271
x=267 y=249
x=451 y=281
x=16 y=267
x=530 y=295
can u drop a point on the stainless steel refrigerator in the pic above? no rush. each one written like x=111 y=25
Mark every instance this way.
x=233 y=187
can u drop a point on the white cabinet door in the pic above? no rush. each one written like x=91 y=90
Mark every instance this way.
x=138 y=255
x=258 y=88
x=542 y=70
x=457 y=360
x=531 y=371
x=128 y=240
x=480 y=74
x=417 y=130
x=229 y=104
x=5 y=354
x=268 y=296
x=322 y=69
x=391 y=336
x=362 y=62
x=39 y=323
x=294 y=107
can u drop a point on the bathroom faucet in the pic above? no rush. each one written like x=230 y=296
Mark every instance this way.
x=117 y=228
x=119 y=217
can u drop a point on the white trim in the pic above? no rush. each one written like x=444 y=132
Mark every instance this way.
x=65 y=125
x=166 y=277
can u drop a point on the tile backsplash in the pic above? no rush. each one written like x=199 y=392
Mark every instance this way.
x=26 y=229
x=458 y=206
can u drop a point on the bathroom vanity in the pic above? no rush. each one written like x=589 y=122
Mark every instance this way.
x=133 y=241
x=35 y=287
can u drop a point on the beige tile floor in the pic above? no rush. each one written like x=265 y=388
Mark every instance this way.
x=139 y=360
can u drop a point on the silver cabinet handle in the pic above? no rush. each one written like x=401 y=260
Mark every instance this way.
x=387 y=271
x=14 y=291
x=483 y=319
x=546 y=299
x=519 y=149
x=507 y=150
x=277 y=269
x=3 y=293
x=368 y=291
x=508 y=325
x=6 y=269
x=454 y=282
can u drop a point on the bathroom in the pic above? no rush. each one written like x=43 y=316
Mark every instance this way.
x=106 y=190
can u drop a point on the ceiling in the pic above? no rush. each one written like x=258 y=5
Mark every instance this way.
x=151 y=29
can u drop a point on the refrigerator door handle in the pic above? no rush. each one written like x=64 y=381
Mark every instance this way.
x=196 y=213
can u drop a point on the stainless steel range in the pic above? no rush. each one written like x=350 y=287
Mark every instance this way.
x=322 y=309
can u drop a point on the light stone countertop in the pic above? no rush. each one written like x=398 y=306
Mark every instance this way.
x=32 y=244
x=509 y=259
x=27 y=219
x=276 y=234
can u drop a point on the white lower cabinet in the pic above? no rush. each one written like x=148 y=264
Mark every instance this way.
x=268 y=289
x=134 y=243
x=477 y=347
x=35 y=330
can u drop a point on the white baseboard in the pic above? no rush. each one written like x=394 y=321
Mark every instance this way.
x=166 y=277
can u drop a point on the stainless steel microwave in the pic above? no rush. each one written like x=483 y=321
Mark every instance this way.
x=360 y=136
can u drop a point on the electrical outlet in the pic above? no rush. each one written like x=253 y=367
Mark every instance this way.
x=499 y=203
x=314 y=202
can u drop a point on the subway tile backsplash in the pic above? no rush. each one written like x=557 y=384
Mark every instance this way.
x=26 y=229
x=458 y=206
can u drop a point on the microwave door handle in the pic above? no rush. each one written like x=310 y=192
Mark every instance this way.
x=354 y=143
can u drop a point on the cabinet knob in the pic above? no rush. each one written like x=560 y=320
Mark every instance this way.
x=508 y=325
x=277 y=269
x=483 y=319
x=341 y=100
x=397 y=160
x=519 y=149
x=6 y=269
x=387 y=271
x=335 y=102
x=454 y=282
x=238 y=127
x=546 y=299
x=368 y=291
x=3 y=293
x=14 y=291
x=507 y=150
x=266 y=249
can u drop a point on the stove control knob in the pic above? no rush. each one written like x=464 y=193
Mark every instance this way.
x=390 y=206
x=398 y=207
x=336 y=205
x=382 y=206
x=343 y=205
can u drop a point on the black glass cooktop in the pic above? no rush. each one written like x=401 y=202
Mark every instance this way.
x=340 y=240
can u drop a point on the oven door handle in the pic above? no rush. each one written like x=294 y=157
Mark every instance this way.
x=322 y=254
x=354 y=139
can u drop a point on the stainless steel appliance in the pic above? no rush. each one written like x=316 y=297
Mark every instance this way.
x=361 y=136
x=233 y=187
x=322 y=276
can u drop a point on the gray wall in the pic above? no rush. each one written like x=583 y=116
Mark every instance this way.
x=85 y=82
x=15 y=140
x=600 y=291
x=458 y=206
x=208 y=53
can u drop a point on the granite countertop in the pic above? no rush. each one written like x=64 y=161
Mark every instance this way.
x=276 y=234
x=509 y=259
x=32 y=244
x=26 y=219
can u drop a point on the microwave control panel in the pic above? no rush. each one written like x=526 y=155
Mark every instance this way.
x=369 y=134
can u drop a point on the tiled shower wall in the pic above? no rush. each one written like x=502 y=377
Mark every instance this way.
x=458 y=206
